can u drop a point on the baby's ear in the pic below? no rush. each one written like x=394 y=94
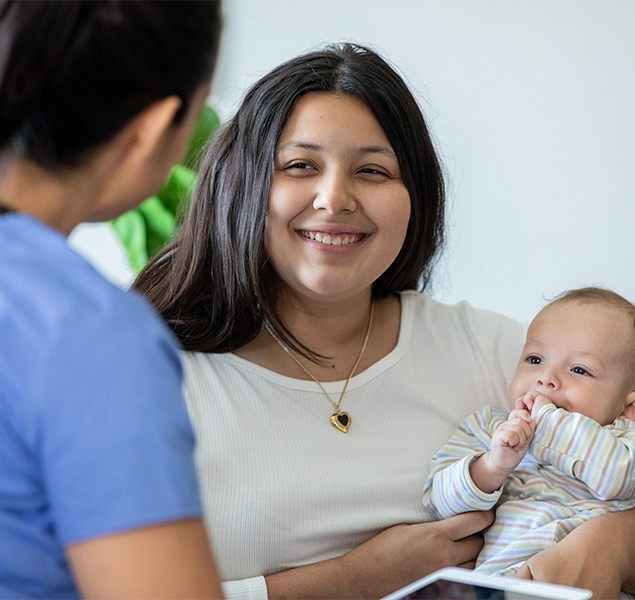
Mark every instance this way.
x=629 y=409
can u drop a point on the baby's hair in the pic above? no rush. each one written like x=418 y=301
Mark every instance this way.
x=591 y=295
x=598 y=295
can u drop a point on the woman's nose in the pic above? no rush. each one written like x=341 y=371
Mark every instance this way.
x=335 y=194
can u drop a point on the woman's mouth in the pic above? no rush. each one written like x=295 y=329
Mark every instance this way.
x=333 y=240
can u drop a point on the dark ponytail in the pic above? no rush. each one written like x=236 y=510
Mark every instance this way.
x=73 y=72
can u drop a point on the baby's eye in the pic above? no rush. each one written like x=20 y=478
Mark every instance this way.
x=580 y=371
x=534 y=360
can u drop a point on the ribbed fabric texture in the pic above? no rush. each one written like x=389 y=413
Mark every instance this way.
x=575 y=469
x=282 y=488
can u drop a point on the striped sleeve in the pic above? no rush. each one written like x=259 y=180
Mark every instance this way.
x=603 y=457
x=449 y=489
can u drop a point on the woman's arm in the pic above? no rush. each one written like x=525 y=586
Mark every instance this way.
x=169 y=560
x=387 y=562
x=599 y=555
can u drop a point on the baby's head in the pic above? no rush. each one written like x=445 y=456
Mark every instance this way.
x=580 y=353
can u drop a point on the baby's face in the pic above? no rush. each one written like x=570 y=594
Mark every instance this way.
x=577 y=354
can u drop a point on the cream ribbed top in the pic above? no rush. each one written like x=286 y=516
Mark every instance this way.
x=282 y=488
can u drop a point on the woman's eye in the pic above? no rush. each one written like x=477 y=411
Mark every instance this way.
x=580 y=371
x=300 y=166
x=534 y=360
x=371 y=171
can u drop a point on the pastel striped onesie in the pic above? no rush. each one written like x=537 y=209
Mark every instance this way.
x=575 y=469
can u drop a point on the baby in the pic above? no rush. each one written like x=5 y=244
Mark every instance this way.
x=566 y=453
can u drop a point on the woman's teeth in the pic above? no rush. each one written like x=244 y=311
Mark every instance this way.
x=333 y=241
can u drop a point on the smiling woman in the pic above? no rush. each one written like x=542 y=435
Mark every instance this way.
x=338 y=208
x=320 y=379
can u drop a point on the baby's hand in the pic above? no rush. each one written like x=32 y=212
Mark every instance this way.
x=532 y=402
x=511 y=440
x=509 y=444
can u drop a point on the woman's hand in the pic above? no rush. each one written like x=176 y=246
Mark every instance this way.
x=405 y=553
x=599 y=555
x=394 y=558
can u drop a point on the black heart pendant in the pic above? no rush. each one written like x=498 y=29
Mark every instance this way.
x=341 y=421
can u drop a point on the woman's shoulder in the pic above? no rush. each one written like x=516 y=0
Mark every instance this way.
x=44 y=278
x=484 y=336
x=55 y=307
x=461 y=316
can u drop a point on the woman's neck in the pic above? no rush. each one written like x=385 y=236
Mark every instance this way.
x=59 y=199
x=335 y=331
x=324 y=326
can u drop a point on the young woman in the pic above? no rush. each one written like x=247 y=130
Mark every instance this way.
x=98 y=495
x=319 y=379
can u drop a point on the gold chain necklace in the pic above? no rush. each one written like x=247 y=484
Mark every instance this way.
x=340 y=420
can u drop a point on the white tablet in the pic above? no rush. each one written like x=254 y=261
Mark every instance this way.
x=461 y=584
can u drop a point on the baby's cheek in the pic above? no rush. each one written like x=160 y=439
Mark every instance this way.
x=516 y=390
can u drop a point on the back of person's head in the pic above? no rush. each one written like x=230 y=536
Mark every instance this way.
x=74 y=72
x=215 y=285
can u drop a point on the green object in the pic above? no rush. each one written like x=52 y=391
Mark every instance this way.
x=159 y=223
x=131 y=229
x=178 y=186
x=146 y=229
x=206 y=124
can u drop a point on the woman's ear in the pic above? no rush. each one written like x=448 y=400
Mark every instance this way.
x=140 y=158
x=629 y=409
x=145 y=131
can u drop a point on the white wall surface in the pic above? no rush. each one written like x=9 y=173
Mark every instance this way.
x=532 y=104
x=99 y=244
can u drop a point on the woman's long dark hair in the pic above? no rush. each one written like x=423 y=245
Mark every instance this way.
x=74 y=72
x=214 y=284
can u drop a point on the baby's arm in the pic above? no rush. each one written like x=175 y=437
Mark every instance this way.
x=509 y=445
x=603 y=457
x=449 y=489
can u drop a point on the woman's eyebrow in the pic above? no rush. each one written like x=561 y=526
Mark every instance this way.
x=316 y=147
x=303 y=145
x=378 y=150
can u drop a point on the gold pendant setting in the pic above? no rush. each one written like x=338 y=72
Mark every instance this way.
x=341 y=421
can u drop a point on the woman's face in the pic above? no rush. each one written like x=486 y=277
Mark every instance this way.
x=338 y=208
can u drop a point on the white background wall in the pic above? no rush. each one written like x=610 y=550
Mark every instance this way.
x=532 y=107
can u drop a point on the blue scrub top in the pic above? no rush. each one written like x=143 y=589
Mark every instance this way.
x=94 y=435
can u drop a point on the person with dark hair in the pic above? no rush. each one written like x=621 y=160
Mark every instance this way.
x=98 y=491
x=319 y=376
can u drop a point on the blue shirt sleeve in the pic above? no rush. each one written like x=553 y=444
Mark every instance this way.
x=112 y=431
x=94 y=434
